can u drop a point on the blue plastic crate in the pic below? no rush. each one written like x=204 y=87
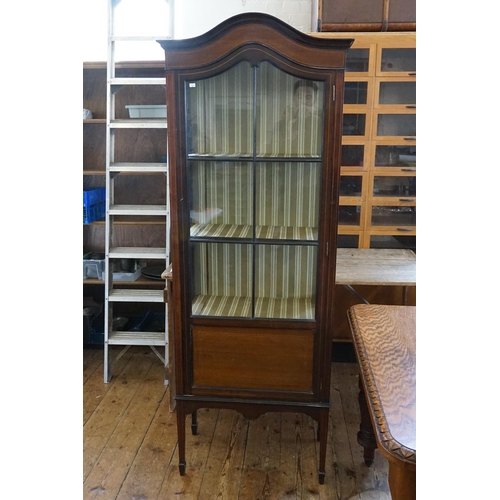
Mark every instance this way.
x=94 y=204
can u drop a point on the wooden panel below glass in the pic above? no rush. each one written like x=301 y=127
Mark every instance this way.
x=251 y=358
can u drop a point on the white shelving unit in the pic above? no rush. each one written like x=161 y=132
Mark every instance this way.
x=113 y=170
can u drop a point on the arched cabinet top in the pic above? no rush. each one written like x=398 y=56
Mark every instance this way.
x=262 y=31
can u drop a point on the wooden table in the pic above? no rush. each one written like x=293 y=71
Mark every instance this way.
x=384 y=342
x=375 y=266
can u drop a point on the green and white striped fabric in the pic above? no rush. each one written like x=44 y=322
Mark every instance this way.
x=221 y=114
x=283 y=204
x=286 y=198
x=285 y=277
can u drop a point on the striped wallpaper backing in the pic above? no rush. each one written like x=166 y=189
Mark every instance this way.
x=286 y=199
x=220 y=114
x=284 y=203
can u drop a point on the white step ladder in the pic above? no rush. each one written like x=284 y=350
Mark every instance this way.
x=114 y=293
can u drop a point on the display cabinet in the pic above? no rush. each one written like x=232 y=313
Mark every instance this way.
x=255 y=117
x=378 y=183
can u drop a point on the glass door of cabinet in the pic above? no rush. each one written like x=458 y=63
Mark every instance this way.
x=397 y=61
x=254 y=149
x=396 y=92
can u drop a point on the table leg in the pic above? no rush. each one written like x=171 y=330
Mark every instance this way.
x=402 y=481
x=366 y=436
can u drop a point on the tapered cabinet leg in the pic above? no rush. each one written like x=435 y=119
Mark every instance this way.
x=181 y=437
x=323 y=439
x=194 y=423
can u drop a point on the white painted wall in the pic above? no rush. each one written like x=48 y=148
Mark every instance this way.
x=191 y=18
x=195 y=17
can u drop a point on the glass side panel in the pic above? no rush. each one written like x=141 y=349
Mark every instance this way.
x=221 y=201
x=350 y=185
x=349 y=215
x=287 y=200
x=393 y=216
x=222 y=284
x=285 y=281
x=289 y=114
x=355 y=92
x=395 y=156
x=352 y=155
x=398 y=93
x=397 y=125
x=394 y=186
x=220 y=113
x=384 y=241
x=354 y=124
x=399 y=60
x=357 y=60
x=347 y=241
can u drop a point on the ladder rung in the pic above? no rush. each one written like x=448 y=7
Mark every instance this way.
x=138 y=167
x=135 y=295
x=137 y=81
x=144 y=38
x=139 y=123
x=137 y=338
x=137 y=253
x=138 y=210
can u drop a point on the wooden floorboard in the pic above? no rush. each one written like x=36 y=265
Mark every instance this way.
x=130 y=443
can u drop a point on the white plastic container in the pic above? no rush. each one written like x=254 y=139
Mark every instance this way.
x=147 y=110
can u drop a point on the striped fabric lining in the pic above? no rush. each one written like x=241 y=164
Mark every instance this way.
x=261 y=232
x=220 y=115
x=287 y=194
x=220 y=123
x=212 y=305
x=241 y=307
x=284 y=280
x=284 y=308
